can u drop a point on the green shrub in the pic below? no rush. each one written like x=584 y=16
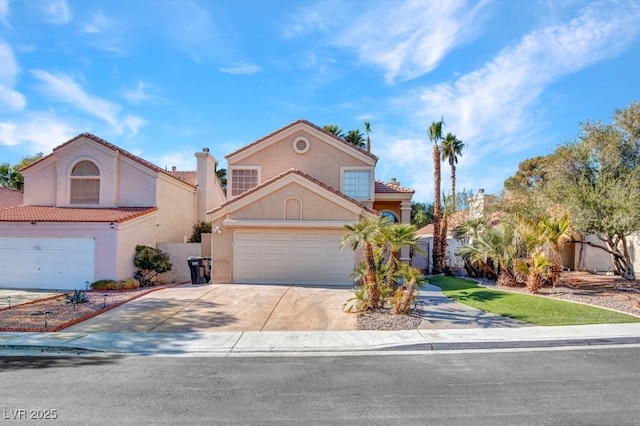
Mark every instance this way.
x=103 y=285
x=151 y=261
x=75 y=298
x=199 y=229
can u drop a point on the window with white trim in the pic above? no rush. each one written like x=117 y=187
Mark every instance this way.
x=243 y=180
x=85 y=183
x=357 y=183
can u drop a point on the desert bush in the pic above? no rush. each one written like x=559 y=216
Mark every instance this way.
x=151 y=261
x=128 y=284
x=103 y=285
x=199 y=229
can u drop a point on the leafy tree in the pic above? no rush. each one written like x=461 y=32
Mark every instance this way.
x=198 y=229
x=597 y=178
x=435 y=136
x=451 y=149
x=421 y=214
x=356 y=138
x=10 y=176
x=222 y=175
x=152 y=262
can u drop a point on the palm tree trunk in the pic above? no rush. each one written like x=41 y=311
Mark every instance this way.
x=437 y=246
x=371 y=279
x=453 y=186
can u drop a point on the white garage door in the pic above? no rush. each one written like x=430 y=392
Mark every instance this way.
x=47 y=263
x=290 y=257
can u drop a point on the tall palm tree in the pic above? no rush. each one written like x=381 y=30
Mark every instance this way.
x=435 y=136
x=451 y=149
x=334 y=129
x=367 y=130
x=356 y=138
x=364 y=234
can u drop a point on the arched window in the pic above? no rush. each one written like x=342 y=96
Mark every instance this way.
x=85 y=183
x=392 y=217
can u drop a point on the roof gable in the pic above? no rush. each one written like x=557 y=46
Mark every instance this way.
x=10 y=197
x=109 y=146
x=307 y=127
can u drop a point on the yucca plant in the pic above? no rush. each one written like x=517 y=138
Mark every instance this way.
x=77 y=297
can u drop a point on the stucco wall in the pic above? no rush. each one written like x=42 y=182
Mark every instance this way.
x=176 y=208
x=322 y=161
x=594 y=259
x=178 y=254
x=140 y=231
x=40 y=185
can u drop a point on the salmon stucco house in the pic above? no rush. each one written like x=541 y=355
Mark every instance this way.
x=85 y=208
x=289 y=195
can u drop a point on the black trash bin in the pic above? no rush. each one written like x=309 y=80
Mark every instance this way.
x=195 y=263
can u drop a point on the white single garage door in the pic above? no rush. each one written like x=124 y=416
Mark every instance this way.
x=291 y=257
x=47 y=263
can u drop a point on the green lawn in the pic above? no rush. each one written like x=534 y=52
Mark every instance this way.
x=532 y=309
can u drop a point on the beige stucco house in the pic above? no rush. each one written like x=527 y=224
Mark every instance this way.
x=289 y=195
x=85 y=208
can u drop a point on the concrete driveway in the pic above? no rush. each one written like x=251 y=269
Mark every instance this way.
x=227 y=307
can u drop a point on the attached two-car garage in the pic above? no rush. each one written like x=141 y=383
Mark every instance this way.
x=47 y=263
x=291 y=257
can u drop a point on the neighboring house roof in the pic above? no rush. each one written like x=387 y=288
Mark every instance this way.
x=190 y=177
x=308 y=123
x=455 y=220
x=10 y=197
x=281 y=176
x=112 y=147
x=65 y=214
x=391 y=188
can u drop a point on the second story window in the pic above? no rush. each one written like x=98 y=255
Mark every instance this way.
x=85 y=183
x=243 y=180
x=357 y=184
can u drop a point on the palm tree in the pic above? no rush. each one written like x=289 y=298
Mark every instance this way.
x=451 y=149
x=556 y=232
x=412 y=278
x=367 y=130
x=334 y=129
x=356 y=138
x=495 y=251
x=393 y=237
x=435 y=136
x=364 y=234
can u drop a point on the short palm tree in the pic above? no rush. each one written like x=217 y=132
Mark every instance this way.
x=364 y=234
x=334 y=129
x=393 y=237
x=556 y=232
x=451 y=149
x=412 y=279
x=356 y=138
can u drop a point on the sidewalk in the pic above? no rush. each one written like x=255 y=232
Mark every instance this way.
x=319 y=342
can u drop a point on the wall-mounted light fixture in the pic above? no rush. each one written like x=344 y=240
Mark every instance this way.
x=111 y=225
x=217 y=230
x=33 y=223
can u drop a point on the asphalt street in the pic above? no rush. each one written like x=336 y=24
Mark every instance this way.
x=579 y=386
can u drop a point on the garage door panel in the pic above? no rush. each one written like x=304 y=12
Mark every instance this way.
x=291 y=258
x=46 y=263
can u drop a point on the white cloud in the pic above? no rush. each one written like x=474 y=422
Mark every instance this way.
x=63 y=88
x=409 y=39
x=242 y=69
x=139 y=94
x=4 y=12
x=9 y=98
x=55 y=12
x=98 y=24
x=38 y=132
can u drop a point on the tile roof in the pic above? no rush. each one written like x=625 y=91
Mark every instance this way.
x=390 y=188
x=10 y=197
x=308 y=123
x=111 y=147
x=304 y=175
x=189 y=177
x=69 y=214
x=456 y=219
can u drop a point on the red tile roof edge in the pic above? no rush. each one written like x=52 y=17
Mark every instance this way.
x=392 y=188
x=72 y=214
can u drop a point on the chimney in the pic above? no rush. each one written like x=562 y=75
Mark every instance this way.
x=394 y=182
x=205 y=175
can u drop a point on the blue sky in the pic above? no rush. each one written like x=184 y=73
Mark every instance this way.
x=162 y=79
